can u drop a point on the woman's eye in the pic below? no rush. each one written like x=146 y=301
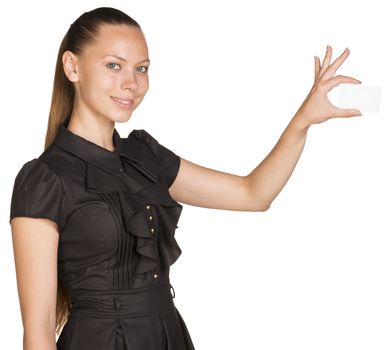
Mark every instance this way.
x=112 y=66
x=146 y=69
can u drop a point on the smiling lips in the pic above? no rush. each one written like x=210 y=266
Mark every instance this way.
x=125 y=103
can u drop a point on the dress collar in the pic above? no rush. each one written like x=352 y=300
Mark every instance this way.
x=95 y=154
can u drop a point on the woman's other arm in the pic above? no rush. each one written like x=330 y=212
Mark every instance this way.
x=35 y=244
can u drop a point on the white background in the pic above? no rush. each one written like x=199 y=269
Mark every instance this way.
x=226 y=77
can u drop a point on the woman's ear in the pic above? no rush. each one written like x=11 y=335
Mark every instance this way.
x=69 y=61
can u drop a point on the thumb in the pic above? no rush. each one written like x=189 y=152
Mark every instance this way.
x=346 y=112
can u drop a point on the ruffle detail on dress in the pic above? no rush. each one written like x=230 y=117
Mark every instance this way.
x=137 y=187
x=168 y=212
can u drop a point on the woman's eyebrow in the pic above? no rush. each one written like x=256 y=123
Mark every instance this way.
x=123 y=59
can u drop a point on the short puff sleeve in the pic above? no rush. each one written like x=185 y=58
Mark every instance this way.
x=38 y=193
x=169 y=160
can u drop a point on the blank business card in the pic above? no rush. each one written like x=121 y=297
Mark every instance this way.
x=358 y=96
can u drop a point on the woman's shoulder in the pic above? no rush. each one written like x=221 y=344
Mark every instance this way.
x=142 y=134
x=36 y=174
x=38 y=189
x=168 y=159
x=47 y=167
x=145 y=137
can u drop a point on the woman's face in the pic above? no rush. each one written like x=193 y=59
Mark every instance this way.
x=112 y=73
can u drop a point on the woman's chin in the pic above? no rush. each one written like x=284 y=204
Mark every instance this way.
x=122 y=118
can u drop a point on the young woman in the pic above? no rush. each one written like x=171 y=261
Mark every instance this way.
x=93 y=217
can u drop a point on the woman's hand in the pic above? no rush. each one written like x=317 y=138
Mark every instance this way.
x=317 y=108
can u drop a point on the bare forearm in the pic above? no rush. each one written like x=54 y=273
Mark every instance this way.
x=35 y=338
x=270 y=176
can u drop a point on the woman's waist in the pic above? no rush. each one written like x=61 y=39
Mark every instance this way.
x=122 y=302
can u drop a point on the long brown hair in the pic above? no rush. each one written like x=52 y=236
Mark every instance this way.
x=80 y=33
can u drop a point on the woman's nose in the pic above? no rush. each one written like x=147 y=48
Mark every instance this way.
x=129 y=81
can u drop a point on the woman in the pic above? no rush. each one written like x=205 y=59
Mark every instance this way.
x=93 y=217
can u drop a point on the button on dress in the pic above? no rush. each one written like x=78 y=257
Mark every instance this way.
x=116 y=222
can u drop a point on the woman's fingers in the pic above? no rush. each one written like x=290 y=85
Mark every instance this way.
x=339 y=79
x=316 y=107
x=330 y=71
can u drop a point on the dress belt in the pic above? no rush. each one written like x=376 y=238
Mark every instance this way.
x=125 y=303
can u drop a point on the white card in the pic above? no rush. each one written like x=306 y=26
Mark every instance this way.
x=358 y=96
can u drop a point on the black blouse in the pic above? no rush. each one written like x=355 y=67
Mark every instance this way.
x=116 y=223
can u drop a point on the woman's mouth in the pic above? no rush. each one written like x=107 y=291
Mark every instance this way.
x=125 y=103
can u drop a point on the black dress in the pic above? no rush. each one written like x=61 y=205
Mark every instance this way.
x=116 y=222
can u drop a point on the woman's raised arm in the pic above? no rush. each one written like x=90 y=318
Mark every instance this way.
x=205 y=187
